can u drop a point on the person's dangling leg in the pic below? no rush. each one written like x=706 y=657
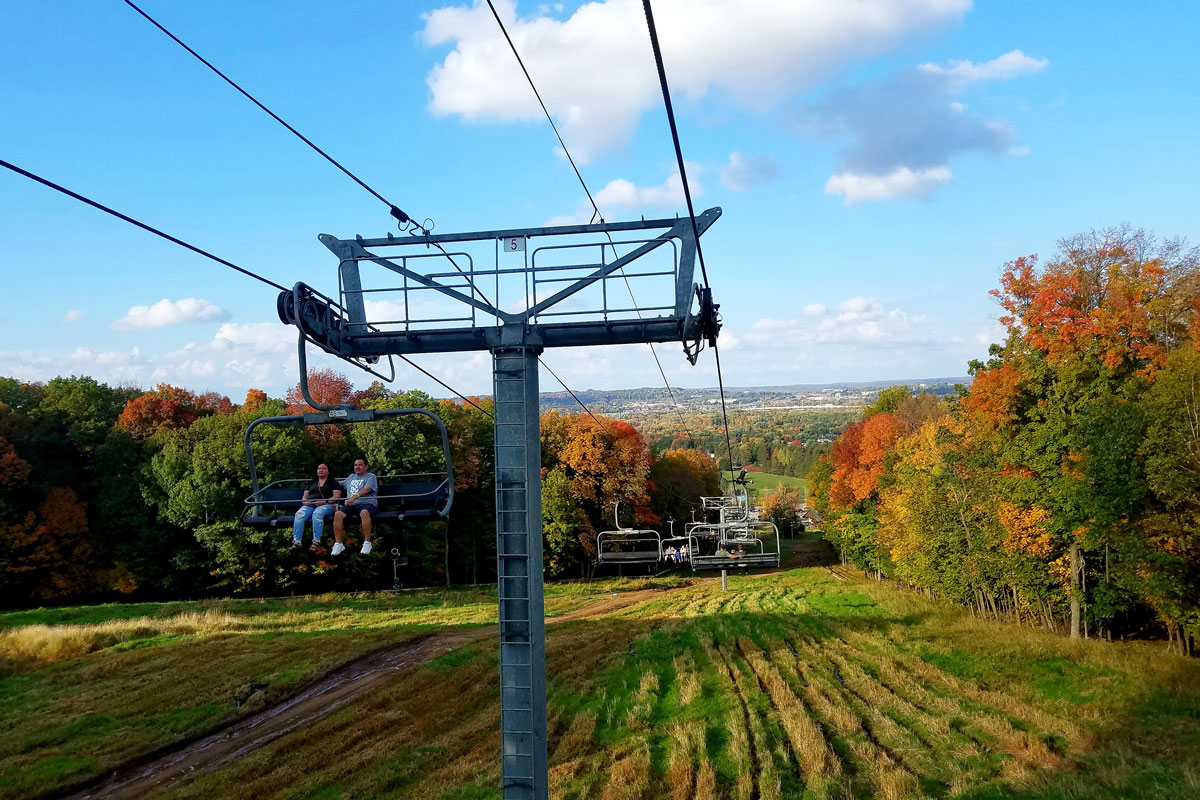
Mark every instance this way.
x=302 y=515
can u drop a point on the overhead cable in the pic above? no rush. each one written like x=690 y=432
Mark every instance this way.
x=687 y=193
x=582 y=404
x=174 y=240
x=406 y=222
x=446 y=386
x=400 y=216
x=135 y=222
x=595 y=209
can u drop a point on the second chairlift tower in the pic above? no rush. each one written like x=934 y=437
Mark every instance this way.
x=513 y=293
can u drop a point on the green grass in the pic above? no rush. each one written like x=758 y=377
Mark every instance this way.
x=765 y=482
x=790 y=685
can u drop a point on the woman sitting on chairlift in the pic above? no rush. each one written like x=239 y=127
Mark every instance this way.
x=317 y=505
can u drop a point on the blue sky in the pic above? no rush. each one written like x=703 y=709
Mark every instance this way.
x=877 y=163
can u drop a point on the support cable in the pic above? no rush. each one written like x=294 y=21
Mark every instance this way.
x=138 y=224
x=200 y=251
x=687 y=194
x=407 y=223
x=577 y=400
x=445 y=385
x=595 y=209
x=400 y=216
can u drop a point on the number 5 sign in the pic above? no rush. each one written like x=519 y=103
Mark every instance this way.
x=513 y=244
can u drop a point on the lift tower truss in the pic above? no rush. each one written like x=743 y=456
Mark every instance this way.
x=512 y=293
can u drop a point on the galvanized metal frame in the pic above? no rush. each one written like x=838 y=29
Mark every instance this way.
x=515 y=340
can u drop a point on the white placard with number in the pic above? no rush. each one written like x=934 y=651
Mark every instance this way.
x=513 y=244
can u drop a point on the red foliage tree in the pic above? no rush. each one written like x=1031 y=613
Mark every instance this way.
x=165 y=408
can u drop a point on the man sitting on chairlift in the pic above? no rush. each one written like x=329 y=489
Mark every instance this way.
x=317 y=505
x=362 y=490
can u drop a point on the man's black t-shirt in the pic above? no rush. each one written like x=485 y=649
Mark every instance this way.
x=318 y=492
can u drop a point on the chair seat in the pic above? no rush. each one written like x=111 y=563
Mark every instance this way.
x=397 y=501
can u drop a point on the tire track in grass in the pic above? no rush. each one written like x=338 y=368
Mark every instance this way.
x=816 y=707
x=992 y=714
x=941 y=743
x=939 y=717
x=342 y=686
x=868 y=719
x=985 y=717
x=879 y=773
x=746 y=785
x=811 y=754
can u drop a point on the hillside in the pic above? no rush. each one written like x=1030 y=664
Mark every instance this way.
x=807 y=683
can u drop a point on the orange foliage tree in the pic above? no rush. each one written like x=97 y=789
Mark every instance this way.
x=165 y=408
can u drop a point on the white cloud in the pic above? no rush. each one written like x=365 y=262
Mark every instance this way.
x=621 y=198
x=1009 y=65
x=900 y=182
x=270 y=337
x=990 y=335
x=899 y=132
x=169 y=312
x=744 y=172
x=624 y=196
x=859 y=320
x=74 y=315
x=814 y=309
x=596 y=73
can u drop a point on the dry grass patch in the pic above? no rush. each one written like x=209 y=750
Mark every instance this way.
x=629 y=773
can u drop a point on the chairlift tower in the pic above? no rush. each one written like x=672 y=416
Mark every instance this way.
x=512 y=293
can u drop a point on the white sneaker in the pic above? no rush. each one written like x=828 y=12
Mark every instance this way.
x=338 y=549
x=366 y=548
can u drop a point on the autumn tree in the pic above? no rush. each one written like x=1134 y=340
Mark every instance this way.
x=678 y=479
x=781 y=506
x=166 y=407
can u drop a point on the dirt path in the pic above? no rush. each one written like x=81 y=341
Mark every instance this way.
x=341 y=686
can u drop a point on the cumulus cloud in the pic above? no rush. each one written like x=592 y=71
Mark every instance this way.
x=169 y=312
x=1009 y=65
x=856 y=187
x=74 y=315
x=622 y=198
x=744 y=172
x=899 y=132
x=270 y=337
x=858 y=320
x=596 y=73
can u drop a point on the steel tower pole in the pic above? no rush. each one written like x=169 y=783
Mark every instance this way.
x=519 y=574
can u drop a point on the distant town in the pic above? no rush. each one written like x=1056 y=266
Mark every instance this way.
x=651 y=400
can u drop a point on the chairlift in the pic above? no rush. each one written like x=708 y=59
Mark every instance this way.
x=412 y=496
x=748 y=547
x=628 y=545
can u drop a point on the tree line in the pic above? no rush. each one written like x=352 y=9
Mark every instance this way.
x=1063 y=488
x=110 y=492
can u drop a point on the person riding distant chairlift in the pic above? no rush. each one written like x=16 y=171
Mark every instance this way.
x=316 y=505
x=362 y=497
x=669 y=555
x=741 y=551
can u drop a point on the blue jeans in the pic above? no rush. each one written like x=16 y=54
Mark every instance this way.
x=318 y=514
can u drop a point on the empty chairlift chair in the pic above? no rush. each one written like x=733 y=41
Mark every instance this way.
x=412 y=496
x=629 y=546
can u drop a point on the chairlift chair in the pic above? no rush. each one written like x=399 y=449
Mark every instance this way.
x=628 y=545
x=760 y=543
x=412 y=496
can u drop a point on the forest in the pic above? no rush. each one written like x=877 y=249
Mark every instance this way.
x=1063 y=489
x=117 y=493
